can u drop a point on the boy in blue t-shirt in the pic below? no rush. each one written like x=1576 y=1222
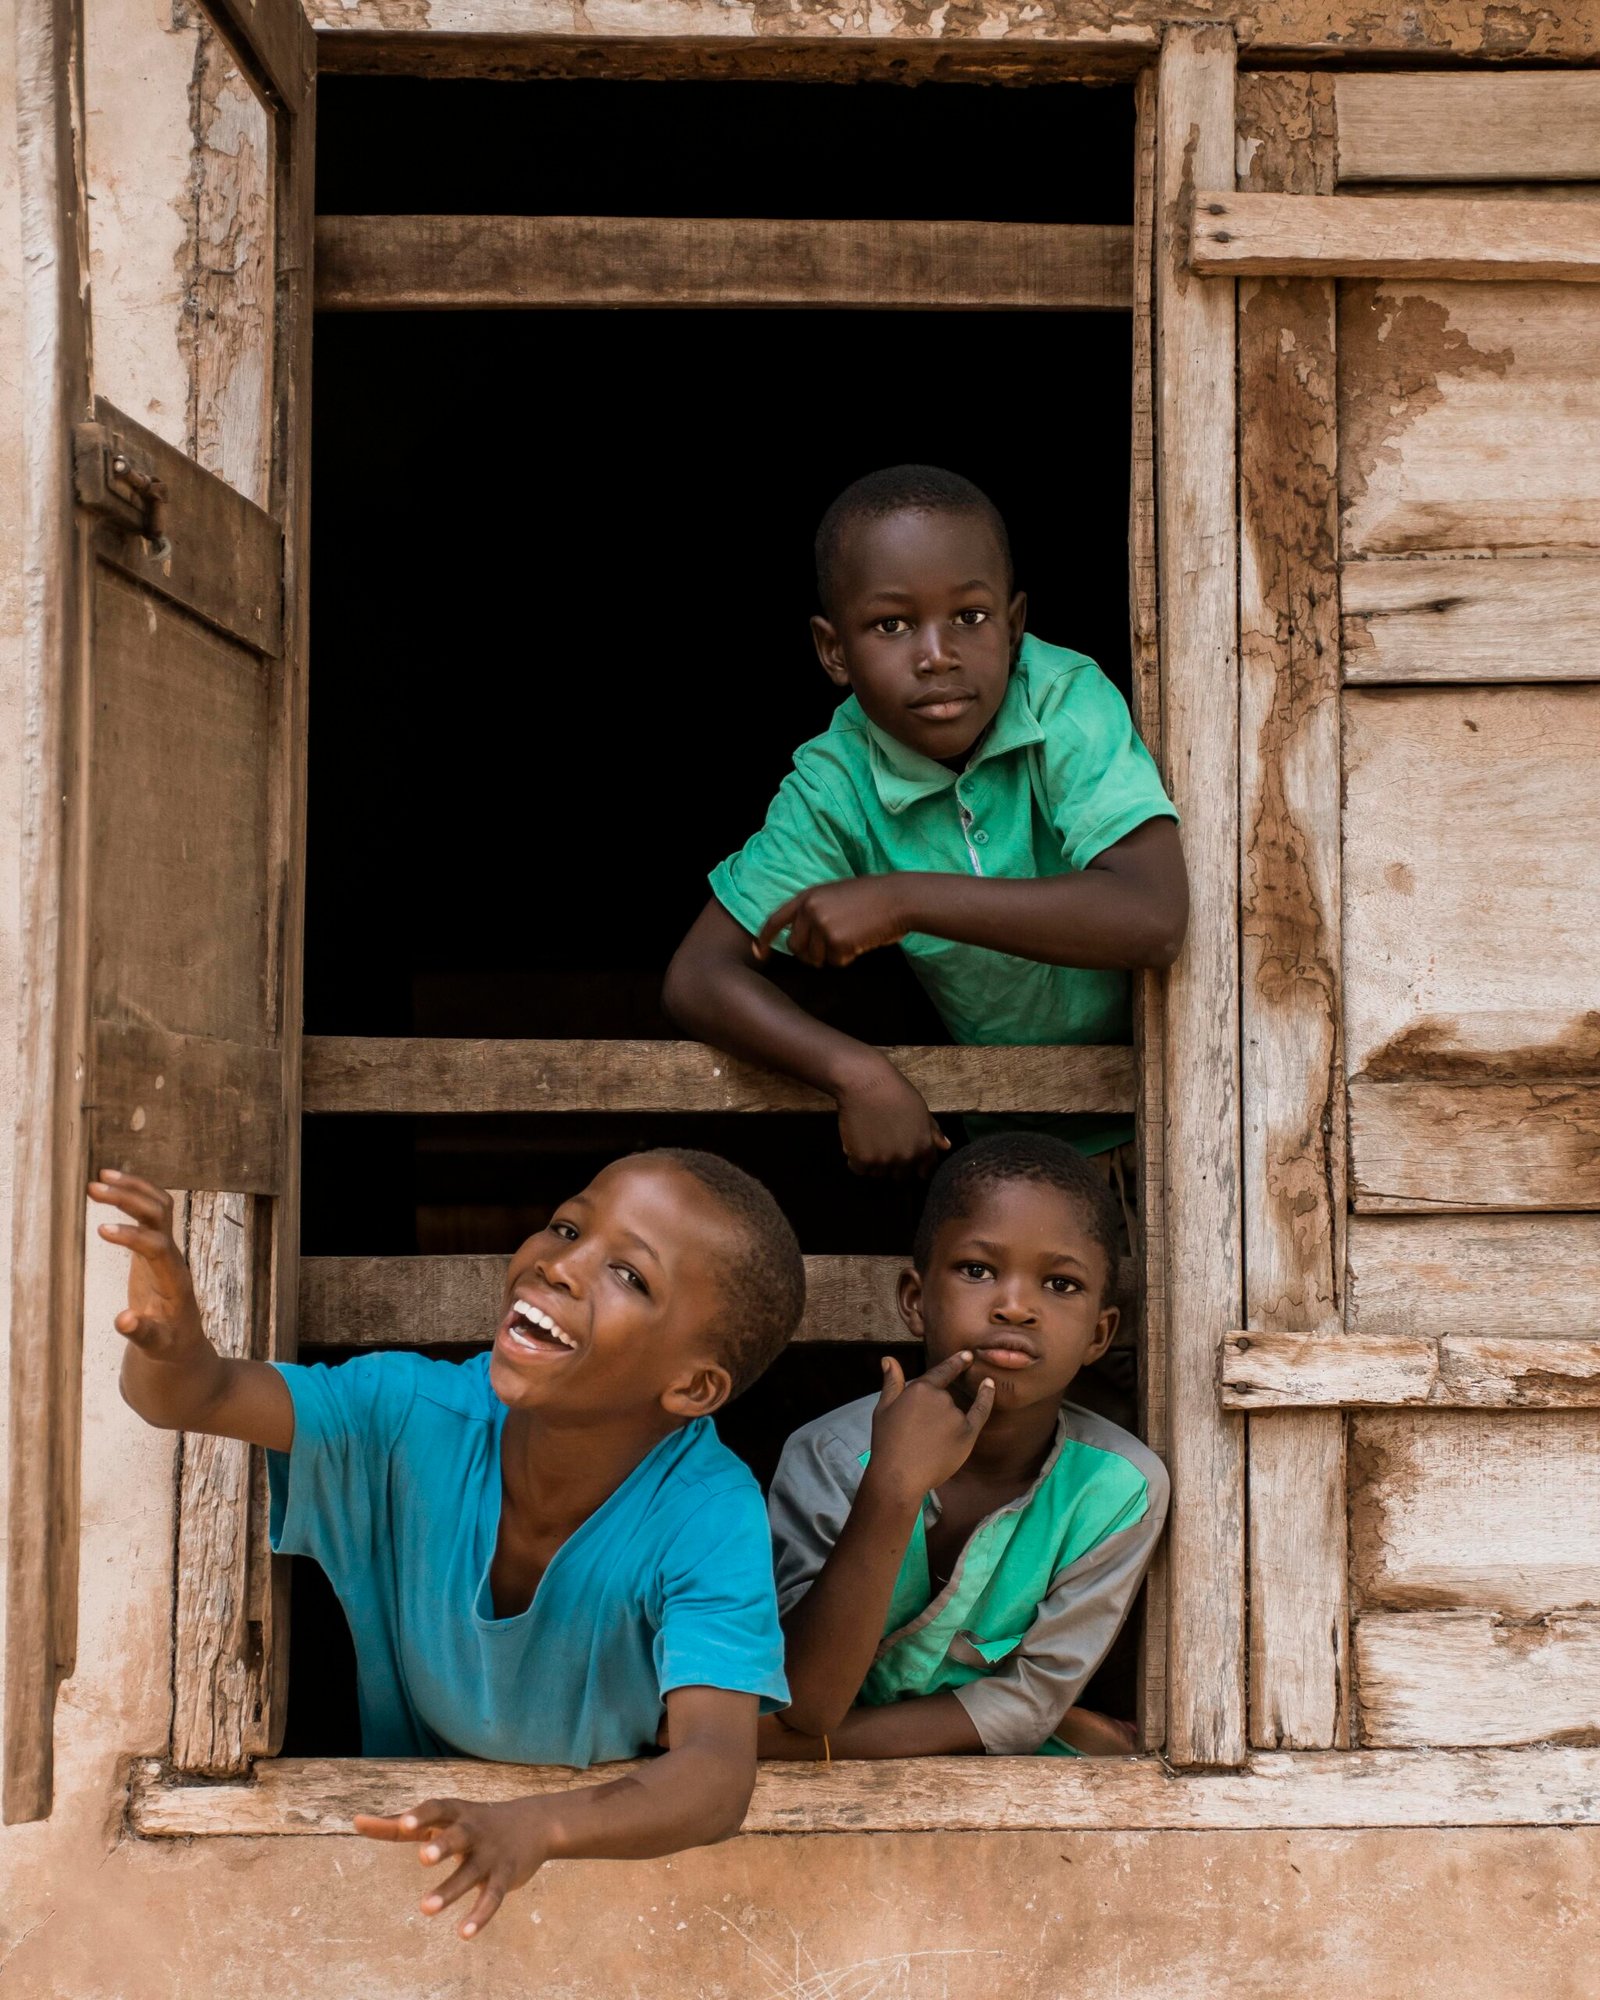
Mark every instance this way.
x=540 y=1549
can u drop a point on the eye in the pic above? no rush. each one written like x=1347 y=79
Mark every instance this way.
x=1062 y=1287
x=973 y=1270
x=891 y=628
x=567 y=1231
x=631 y=1278
x=972 y=616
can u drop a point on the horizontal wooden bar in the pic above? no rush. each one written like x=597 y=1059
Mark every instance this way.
x=1505 y=1276
x=1417 y=1147
x=422 y=1074
x=1416 y=619
x=1469 y=1677
x=387 y=263
x=1294 y=1371
x=449 y=1301
x=1532 y=125
x=1410 y=236
x=185 y=1111
x=1333 y=1788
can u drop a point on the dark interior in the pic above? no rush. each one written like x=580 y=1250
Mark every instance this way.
x=561 y=582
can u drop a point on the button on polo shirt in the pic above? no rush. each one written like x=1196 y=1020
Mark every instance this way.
x=1059 y=777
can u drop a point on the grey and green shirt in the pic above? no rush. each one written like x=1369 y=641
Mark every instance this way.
x=1039 y=1592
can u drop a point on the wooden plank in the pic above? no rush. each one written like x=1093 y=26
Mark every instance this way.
x=1482 y=1511
x=375 y=1073
x=273 y=41
x=1292 y=1066
x=1198 y=537
x=1509 y=618
x=1508 y=125
x=1472 y=871
x=388 y=263
x=51 y=1147
x=1294 y=1371
x=1502 y=1277
x=1463 y=1678
x=427 y=1301
x=1469 y=415
x=1420 y=1147
x=187 y=1109
x=1353 y=1788
x=1408 y=236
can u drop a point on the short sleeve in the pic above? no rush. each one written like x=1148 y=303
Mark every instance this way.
x=808 y=1505
x=807 y=839
x=326 y=1490
x=1100 y=780
x=719 y=1616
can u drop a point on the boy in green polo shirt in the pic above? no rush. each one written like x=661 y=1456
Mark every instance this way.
x=981 y=800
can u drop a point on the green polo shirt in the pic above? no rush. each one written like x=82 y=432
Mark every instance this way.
x=1058 y=778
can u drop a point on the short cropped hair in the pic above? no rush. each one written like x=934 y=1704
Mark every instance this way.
x=899 y=489
x=1020 y=1156
x=763 y=1281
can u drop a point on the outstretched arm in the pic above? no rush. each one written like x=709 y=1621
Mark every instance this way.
x=694 y=1796
x=171 y=1374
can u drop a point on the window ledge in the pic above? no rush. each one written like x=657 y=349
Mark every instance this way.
x=1544 y=1786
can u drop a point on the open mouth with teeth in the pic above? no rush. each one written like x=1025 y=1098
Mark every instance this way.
x=527 y=1330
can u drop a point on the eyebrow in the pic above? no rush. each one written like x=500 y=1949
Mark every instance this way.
x=998 y=1250
x=638 y=1242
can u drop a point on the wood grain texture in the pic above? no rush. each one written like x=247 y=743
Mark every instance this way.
x=1472 y=883
x=1293 y=1371
x=1501 y=1277
x=1420 y=1147
x=373 y=1073
x=388 y=263
x=1555 y=1787
x=187 y=1109
x=1464 y=1678
x=274 y=42
x=1508 y=618
x=1504 y=126
x=1469 y=415
x=1292 y=1067
x=1491 y=1511
x=51 y=1147
x=1196 y=416
x=1408 y=236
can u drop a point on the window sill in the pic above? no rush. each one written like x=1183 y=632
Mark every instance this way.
x=1544 y=1786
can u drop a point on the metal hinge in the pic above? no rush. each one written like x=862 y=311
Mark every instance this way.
x=113 y=480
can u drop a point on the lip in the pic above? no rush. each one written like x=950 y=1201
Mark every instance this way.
x=946 y=706
x=517 y=1339
x=1005 y=1354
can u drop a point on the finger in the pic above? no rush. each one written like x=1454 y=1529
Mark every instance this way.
x=489 y=1900
x=982 y=1404
x=134 y=1236
x=137 y=1198
x=382 y=1826
x=894 y=1380
x=454 y=1886
x=432 y=1816
x=945 y=1372
x=777 y=923
x=141 y=1331
x=442 y=1844
x=806 y=942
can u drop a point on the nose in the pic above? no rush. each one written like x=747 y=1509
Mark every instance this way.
x=1011 y=1309
x=934 y=652
x=558 y=1266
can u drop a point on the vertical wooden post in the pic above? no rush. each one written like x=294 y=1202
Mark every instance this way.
x=1198 y=540
x=1294 y=1127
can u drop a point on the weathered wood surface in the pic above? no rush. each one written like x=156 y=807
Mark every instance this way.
x=1500 y=1277
x=1408 y=236
x=1196 y=421
x=1472 y=872
x=1464 y=1678
x=274 y=40
x=1469 y=415
x=1416 y=1147
x=373 y=1073
x=1293 y=1371
x=1480 y=1511
x=187 y=1109
x=1511 y=618
x=405 y=1301
x=1289 y=777
x=1501 y=126
x=51 y=1146
x=387 y=263
x=1353 y=1788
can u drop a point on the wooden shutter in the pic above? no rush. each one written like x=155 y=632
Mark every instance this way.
x=163 y=824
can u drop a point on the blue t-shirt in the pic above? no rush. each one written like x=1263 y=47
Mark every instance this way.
x=393 y=1484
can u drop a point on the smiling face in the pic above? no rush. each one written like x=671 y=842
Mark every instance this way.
x=610 y=1308
x=1021 y=1280
x=924 y=627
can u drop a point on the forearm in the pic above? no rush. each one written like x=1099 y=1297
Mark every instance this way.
x=691 y=1797
x=931 y=1725
x=176 y=1393
x=1092 y=919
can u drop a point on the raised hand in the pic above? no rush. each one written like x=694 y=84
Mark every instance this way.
x=833 y=923
x=496 y=1848
x=162 y=1317
x=921 y=1435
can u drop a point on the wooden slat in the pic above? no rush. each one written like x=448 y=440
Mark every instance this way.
x=1502 y=1277
x=1482 y=1511
x=1410 y=236
x=1416 y=1147
x=1200 y=743
x=1289 y=780
x=1510 y=618
x=274 y=41
x=1499 y=126
x=1472 y=883
x=387 y=263
x=186 y=1110
x=1466 y=1678
x=1292 y=1371
x=424 y=1301
x=373 y=1073
x=1555 y=1787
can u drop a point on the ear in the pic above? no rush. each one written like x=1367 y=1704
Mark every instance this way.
x=830 y=651
x=909 y=1300
x=699 y=1393
x=1017 y=622
x=1105 y=1331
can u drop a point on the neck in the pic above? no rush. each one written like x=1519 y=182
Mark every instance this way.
x=555 y=1474
x=1014 y=1444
